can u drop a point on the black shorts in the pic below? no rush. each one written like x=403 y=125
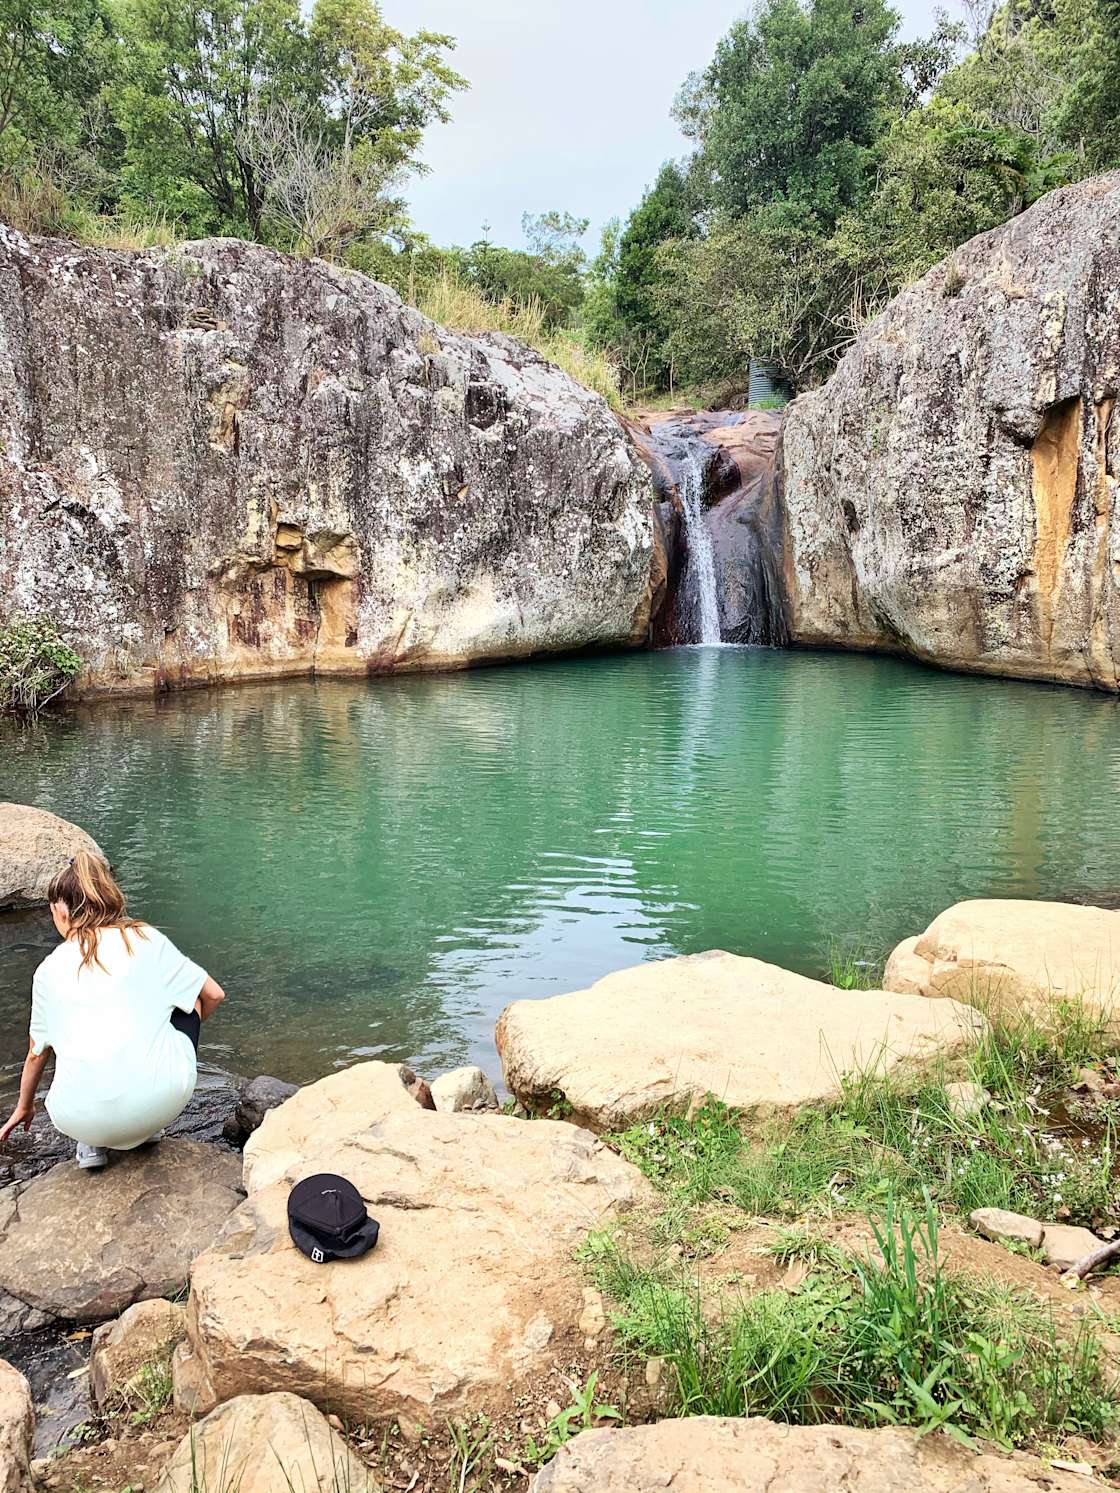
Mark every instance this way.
x=189 y=1022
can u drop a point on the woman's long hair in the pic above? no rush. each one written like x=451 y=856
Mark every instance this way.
x=94 y=901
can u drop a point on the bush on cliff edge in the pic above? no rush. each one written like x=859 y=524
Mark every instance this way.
x=35 y=665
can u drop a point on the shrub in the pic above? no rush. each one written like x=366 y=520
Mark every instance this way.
x=35 y=665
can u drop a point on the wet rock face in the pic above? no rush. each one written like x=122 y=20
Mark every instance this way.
x=221 y=462
x=734 y=455
x=952 y=491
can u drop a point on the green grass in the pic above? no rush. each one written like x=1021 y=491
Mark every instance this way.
x=893 y=1340
x=898 y=1136
x=851 y=968
x=149 y=1393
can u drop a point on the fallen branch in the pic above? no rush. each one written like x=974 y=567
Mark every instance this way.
x=1081 y=1268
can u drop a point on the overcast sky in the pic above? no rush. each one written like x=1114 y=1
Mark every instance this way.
x=568 y=106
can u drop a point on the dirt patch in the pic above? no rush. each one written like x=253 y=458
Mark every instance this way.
x=116 y=1456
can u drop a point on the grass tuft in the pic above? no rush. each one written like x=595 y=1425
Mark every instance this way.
x=890 y=1135
x=889 y=1340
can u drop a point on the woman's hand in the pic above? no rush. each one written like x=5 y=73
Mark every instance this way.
x=23 y=1114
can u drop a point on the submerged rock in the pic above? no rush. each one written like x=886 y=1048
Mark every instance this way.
x=706 y=1454
x=34 y=846
x=323 y=1114
x=265 y=1444
x=257 y=1097
x=222 y=462
x=17 y=1428
x=472 y=1287
x=671 y=1032
x=952 y=491
x=1010 y=954
x=83 y=1246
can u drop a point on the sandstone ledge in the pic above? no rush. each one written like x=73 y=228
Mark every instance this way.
x=472 y=1287
x=82 y=1249
x=1011 y=955
x=705 y=1454
x=671 y=1032
x=323 y=1114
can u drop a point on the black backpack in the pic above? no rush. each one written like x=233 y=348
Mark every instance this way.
x=328 y=1220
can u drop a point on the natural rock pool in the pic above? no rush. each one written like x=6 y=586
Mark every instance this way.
x=375 y=869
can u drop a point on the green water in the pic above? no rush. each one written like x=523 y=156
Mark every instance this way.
x=376 y=868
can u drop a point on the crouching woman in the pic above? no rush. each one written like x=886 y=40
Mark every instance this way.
x=121 y=1008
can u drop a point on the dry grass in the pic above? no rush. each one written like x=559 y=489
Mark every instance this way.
x=33 y=202
x=461 y=307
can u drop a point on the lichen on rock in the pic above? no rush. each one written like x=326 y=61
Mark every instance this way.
x=953 y=491
x=221 y=462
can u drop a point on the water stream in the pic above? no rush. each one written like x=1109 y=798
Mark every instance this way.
x=700 y=583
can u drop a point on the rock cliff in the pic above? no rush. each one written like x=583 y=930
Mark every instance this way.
x=221 y=462
x=952 y=491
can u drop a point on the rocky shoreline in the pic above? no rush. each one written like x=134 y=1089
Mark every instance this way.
x=167 y=1321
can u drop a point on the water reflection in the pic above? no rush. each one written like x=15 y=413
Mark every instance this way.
x=377 y=868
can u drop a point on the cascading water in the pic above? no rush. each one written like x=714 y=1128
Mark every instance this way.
x=723 y=527
x=701 y=586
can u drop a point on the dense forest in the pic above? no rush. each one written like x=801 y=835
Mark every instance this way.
x=831 y=162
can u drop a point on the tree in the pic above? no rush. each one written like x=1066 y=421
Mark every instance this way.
x=320 y=195
x=1083 y=44
x=549 y=274
x=663 y=214
x=56 y=58
x=202 y=77
x=555 y=237
x=790 y=110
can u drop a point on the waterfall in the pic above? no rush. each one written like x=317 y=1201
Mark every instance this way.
x=700 y=584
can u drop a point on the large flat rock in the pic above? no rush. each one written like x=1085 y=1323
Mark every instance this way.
x=753 y=1035
x=471 y=1288
x=706 y=1454
x=322 y=1114
x=273 y=1443
x=83 y=1246
x=34 y=846
x=1014 y=954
